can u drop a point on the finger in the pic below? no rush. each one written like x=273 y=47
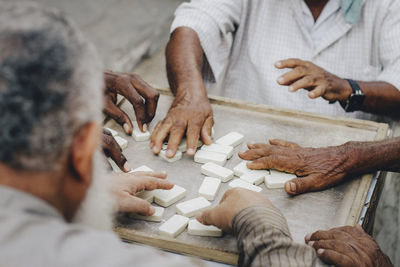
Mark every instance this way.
x=114 y=151
x=149 y=183
x=289 y=63
x=159 y=134
x=254 y=154
x=160 y=175
x=322 y=235
x=292 y=76
x=252 y=145
x=331 y=244
x=175 y=137
x=302 y=185
x=150 y=95
x=319 y=91
x=192 y=136
x=138 y=103
x=302 y=83
x=119 y=116
x=334 y=258
x=136 y=205
x=280 y=142
x=206 y=131
x=274 y=161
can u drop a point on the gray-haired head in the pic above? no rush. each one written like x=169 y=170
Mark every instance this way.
x=50 y=85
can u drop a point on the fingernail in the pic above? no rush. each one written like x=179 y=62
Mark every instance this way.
x=126 y=128
x=251 y=143
x=190 y=151
x=152 y=210
x=320 y=251
x=308 y=237
x=281 y=80
x=169 y=153
x=127 y=167
x=291 y=89
x=292 y=187
x=145 y=127
x=311 y=243
x=312 y=95
x=155 y=150
x=278 y=63
x=164 y=172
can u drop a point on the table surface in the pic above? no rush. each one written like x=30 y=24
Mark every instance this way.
x=305 y=213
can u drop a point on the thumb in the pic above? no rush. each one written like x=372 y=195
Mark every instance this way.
x=301 y=185
x=136 y=205
x=205 y=217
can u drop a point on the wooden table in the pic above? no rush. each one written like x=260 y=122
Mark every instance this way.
x=341 y=205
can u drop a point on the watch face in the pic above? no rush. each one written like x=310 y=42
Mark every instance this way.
x=355 y=102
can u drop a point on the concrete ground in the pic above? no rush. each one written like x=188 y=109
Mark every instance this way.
x=131 y=35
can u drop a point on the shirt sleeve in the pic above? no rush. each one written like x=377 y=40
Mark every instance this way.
x=214 y=22
x=389 y=48
x=264 y=240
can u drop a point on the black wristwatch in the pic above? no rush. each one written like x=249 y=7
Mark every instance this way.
x=356 y=99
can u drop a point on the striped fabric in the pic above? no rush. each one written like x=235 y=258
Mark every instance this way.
x=264 y=240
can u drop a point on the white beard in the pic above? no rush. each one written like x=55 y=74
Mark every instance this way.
x=99 y=207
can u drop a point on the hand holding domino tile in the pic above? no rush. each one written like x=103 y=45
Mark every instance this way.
x=129 y=188
x=232 y=203
x=113 y=150
x=141 y=95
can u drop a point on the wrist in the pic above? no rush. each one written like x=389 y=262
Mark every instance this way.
x=345 y=90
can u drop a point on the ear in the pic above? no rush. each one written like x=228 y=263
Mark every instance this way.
x=82 y=151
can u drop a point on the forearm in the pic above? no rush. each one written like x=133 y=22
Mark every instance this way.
x=369 y=157
x=184 y=56
x=380 y=98
x=264 y=240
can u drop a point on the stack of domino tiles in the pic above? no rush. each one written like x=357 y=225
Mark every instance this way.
x=220 y=151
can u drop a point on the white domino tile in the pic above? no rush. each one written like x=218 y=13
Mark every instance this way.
x=123 y=143
x=242 y=184
x=209 y=188
x=202 y=156
x=177 y=156
x=143 y=168
x=231 y=139
x=146 y=195
x=196 y=228
x=215 y=170
x=173 y=226
x=156 y=217
x=113 y=132
x=278 y=179
x=192 y=207
x=166 y=198
x=227 y=150
x=241 y=169
x=138 y=135
x=255 y=178
x=114 y=166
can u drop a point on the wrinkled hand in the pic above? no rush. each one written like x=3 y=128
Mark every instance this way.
x=347 y=247
x=125 y=186
x=142 y=96
x=113 y=150
x=232 y=203
x=308 y=76
x=188 y=115
x=318 y=168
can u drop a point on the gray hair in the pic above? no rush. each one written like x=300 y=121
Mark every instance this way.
x=50 y=86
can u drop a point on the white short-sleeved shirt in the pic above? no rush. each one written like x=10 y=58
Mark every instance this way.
x=267 y=31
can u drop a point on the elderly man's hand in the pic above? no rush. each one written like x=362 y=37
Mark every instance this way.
x=190 y=115
x=125 y=186
x=319 y=168
x=232 y=203
x=113 y=150
x=142 y=96
x=308 y=76
x=346 y=247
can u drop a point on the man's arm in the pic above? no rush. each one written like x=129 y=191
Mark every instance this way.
x=262 y=233
x=321 y=168
x=380 y=97
x=191 y=112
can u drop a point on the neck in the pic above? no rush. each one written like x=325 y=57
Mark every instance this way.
x=41 y=185
x=316 y=7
